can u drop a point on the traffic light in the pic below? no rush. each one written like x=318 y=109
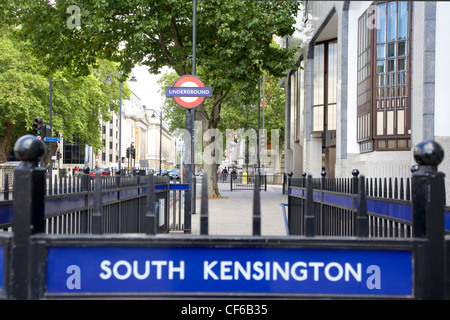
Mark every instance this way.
x=133 y=153
x=38 y=128
x=58 y=154
x=128 y=152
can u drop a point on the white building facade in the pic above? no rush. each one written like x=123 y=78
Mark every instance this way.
x=370 y=85
x=140 y=128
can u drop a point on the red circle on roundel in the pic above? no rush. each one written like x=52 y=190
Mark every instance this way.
x=189 y=78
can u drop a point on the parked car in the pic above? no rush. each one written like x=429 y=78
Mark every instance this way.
x=163 y=172
x=101 y=171
x=174 y=174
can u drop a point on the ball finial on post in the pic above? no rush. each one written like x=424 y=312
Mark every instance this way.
x=29 y=149
x=428 y=153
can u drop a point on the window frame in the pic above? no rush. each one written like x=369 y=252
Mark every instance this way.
x=367 y=123
x=323 y=108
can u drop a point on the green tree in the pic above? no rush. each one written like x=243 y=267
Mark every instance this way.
x=233 y=36
x=78 y=102
x=234 y=107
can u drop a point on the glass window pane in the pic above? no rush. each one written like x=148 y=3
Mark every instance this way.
x=391 y=66
x=392 y=21
x=331 y=124
x=402 y=144
x=318 y=118
x=380 y=123
x=390 y=122
x=318 y=73
x=381 y=32
x=380 y=66
x=381 y=144
x=391 y=50
x=332 y=72
x=380 y=51
x=402 y=19
x=401 y=64
x=392 y=144
x=401 y=48
x=380 y=80
x=401 y=122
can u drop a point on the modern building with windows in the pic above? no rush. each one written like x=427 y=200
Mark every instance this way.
x=141 y=128
x=370 y=83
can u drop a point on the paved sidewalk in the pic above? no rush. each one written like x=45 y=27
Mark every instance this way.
x=233 y=214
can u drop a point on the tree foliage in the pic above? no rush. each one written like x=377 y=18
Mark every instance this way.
x=235 y=106
x=233 y=37
x=78 y=103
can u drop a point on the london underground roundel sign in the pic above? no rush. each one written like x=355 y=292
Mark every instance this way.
x=188 y=91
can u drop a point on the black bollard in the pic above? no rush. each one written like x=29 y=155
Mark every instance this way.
x=309 y=216
x=29 y=209
x=257 y=207
x=427 y=207
x=97 y=215
x=362 y=219
x=150 y=215
x=204 y=206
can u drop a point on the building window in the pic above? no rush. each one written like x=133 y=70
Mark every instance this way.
x=300 y=106
x=325 y=86
x=73 y=152
x=318 y=107
x=384 y=107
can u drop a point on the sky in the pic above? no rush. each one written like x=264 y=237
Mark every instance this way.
x=146 y=88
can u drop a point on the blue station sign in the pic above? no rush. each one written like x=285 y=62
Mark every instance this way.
x=229 y=270
x=51 y=139
x=189 y=91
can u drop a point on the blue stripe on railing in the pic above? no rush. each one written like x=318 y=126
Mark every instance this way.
x=74 y=202
x=56 y=205
x=6 y=213
x=447 y=219
x=390 y=209
x=296 y=192
x=178 y=186
x=340 y=200
x=377 y=206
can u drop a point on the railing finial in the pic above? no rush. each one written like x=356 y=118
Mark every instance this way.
x=29 y=149
x=429 y=153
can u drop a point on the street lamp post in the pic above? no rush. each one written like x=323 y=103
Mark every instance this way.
x=109 y=80
x=160 y=139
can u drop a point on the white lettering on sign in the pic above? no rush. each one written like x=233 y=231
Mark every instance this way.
x=123 y=270
x=298 y=271
x=188 y=91
x=74 y=280
x=374 y=281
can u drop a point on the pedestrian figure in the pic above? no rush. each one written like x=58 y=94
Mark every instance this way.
x=224 y=174
x=233 y=174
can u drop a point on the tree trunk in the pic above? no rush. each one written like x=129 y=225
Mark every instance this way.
x=5 y=140
x=211 y=121
x=213 y=189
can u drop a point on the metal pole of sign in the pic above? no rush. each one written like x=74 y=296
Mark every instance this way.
x=190 y=123
x=50 y=165
x=259 y=121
